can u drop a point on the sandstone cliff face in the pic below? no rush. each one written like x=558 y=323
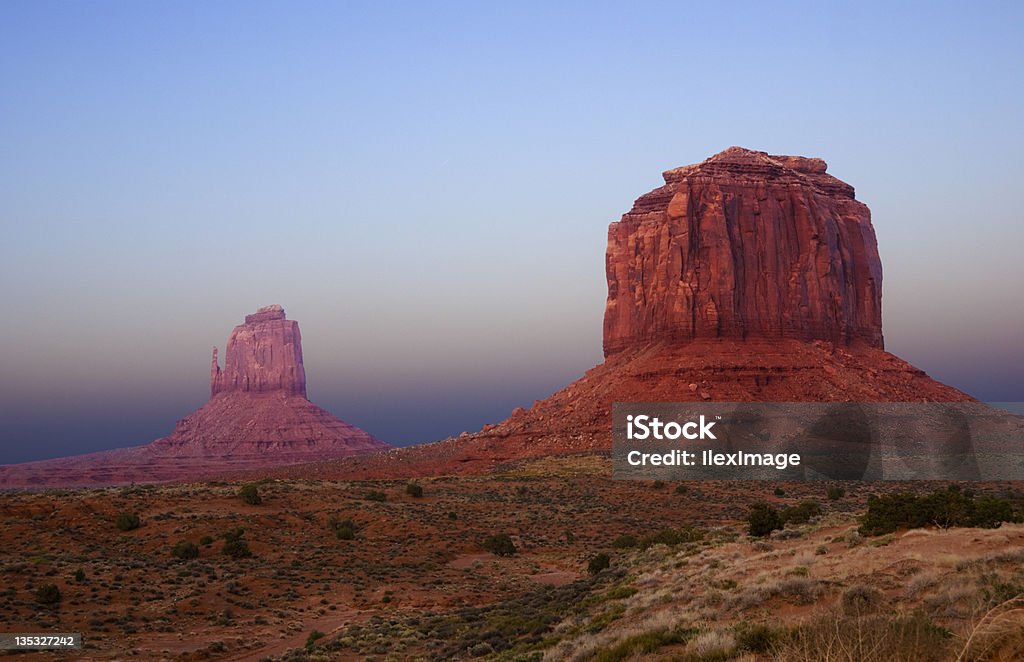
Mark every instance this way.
x=744 y=245
x=262 y=355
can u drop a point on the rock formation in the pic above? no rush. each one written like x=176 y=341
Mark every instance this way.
x=257 y=417
x=746 y=277
x=262 y=355
x=744 y=245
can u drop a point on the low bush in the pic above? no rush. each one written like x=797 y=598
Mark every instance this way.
x=127 y=521
x=250 y=494
x=414 y=490
x=763 y=519
x=800 y=514
x=375 y=495
x=598 y=562
x=624 y=542
x=343 y=529
x=672 y=537
x=313 y=637
x=185 y=550
x=48 y=594
x=943 y=508
x=235 y=545
x=835 y=493
x=500 y=544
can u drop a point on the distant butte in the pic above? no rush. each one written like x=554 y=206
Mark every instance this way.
x=257 y=417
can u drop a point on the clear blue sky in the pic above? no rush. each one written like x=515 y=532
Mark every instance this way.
x=426 y=187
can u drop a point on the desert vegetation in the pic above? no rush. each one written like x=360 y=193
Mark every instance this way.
x=499 y=544
x=942 y=508
x=185 y=550
x=127 y=521
x=250 y=494
x=601 y=570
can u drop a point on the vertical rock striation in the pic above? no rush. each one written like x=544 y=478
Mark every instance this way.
x=744 y=245
x=264 y=354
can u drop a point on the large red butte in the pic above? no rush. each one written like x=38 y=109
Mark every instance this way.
x=744 y=245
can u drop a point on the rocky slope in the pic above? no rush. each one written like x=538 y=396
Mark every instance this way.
x=257 y=417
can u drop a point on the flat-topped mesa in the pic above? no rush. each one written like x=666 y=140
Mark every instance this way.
x=262 y=355
x=744 y=245
x=266 y=314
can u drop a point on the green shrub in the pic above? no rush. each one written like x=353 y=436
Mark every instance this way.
x=414 y=490
x=598 y=562
x=763 y=519
x=235 y=545
x=79 y=575
x=658 y=484
x=127 y=521
x=621 y=593
x=48 y=594
x=990 y=512
x=943 y=508
x=250 y=494
x=835 y=493
x=206 y=540
x=375 y=495
x=185 y=550
x=682 y=488
x=624 y=542
x=500 y=544
x=343 y=529
x=313 y=637
x=672 y=537
x=800 y=514
x=779 y=492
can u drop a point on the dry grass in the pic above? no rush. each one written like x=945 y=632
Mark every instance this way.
x=998 y=636
x=876 y=638
x=710 y=644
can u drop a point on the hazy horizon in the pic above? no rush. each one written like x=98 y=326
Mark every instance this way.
x=427 y=189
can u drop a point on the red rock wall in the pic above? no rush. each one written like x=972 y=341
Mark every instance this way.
x=744 y=245
x=262 y=355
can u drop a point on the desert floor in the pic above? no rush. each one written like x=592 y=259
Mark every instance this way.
x=415 y=582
